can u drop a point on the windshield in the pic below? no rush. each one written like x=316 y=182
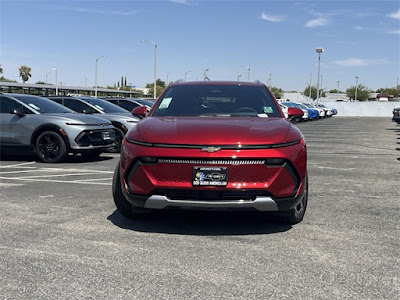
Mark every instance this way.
x=42 y=105
x=104 y=105
x=217 y=100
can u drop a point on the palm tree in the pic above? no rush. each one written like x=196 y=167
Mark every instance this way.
x=25 y=73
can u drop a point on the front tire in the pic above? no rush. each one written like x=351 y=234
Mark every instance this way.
x=50 y=147
x=296 y=215
x=124 y=206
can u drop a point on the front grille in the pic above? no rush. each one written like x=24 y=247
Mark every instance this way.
x=94 y=138
x=182 y=194
x=212 y=161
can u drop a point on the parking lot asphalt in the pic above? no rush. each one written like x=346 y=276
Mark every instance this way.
x=62 y=238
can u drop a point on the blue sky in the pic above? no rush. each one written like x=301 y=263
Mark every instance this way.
x=360 y=38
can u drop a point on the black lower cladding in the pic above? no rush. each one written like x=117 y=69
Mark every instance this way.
x=95 y=138
x=209 y=195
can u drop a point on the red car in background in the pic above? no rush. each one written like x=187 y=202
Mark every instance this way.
x=213 y=145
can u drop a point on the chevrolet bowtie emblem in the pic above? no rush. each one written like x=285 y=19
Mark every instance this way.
x=211 y=149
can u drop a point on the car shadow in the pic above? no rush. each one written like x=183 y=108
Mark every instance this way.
x=208 y=223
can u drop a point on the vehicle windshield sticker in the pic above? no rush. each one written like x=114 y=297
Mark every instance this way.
x=99 y=107
x=165 y=103
x=34 y=106
x=262 y=115
x=268 y=109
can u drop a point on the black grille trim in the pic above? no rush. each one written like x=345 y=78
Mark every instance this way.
x=218 y=195
x=223 y=147
x=94 y=138
x=212 y=161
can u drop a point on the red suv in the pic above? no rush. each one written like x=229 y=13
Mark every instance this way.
x=206 y=145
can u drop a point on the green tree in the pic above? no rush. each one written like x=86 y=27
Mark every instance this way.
x=159 y=82
x=278 y=93
x=390 y=91
x=313 y=92
x=159 y=88
x=3 y=79
x=362 y=92
x=25 y=73
x=334 y=91
x=1 y=70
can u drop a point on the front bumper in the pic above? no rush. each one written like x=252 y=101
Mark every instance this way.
x=94 y=139
x=272 y=183
x=262 y=203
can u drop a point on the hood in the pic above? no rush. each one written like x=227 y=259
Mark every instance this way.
x=212 y=130
x=80 y=118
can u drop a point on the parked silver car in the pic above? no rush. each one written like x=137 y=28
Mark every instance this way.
x=50 y=129
x=119 y=117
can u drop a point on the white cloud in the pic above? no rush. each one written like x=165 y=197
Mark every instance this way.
x=359 y=62
x=395 y=15
x=366 y=14
x=271 y=18
x=394 y=32
x=358 y=28
x=179 y=1
x=317 y=22
x=99 y=11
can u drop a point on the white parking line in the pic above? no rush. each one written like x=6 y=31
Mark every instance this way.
x=19 y=165
x=55 y=181
x=76 y=170
x=59 y=175
x=86 y=180
x=13 y=172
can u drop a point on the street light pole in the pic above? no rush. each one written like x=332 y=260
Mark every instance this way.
x=321 y=89
x=248 y=74
x=338 y=82
x=155 y=67
x=238 y=78
x=270 y=80
x=55 y=69
x=319 y=51
x=95 y=76
x=187 y=73
x=309 y=94
x=355 y=97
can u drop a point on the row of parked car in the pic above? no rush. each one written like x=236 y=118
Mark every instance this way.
x=57 y=125
x=310 y=111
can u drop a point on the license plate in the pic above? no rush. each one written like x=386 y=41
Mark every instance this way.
x=210 y=176
x=106 y=135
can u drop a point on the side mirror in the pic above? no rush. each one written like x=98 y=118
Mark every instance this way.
x=295 y=112
x=139 y=112
x=18 y=112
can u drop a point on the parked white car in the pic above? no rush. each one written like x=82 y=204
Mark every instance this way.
x=284 y=110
